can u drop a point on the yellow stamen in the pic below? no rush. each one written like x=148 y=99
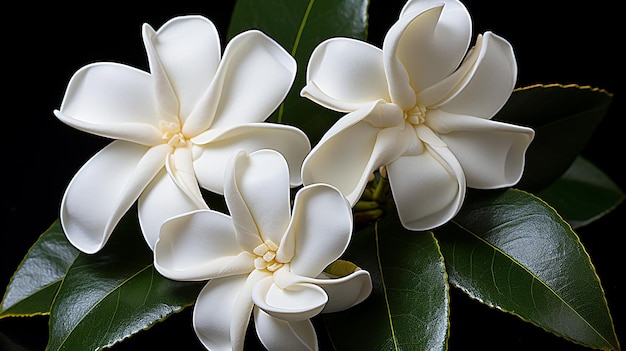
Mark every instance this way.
x=417 y=115
x=172 y=133
x=267 y=256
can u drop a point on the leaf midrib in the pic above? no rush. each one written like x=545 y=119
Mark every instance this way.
x=534 y=278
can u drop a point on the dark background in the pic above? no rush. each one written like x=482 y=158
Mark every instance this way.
x=567 y=42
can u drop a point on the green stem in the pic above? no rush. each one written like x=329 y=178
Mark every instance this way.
x=381 y=191
x=363 y=205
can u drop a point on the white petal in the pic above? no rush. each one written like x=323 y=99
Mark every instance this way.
x=179 y=166
x=343 y=292
x=161 y=200
x=428 y=188
x=437 y=94
x=104 y=189
x=491 y=153
x=400 y=89
x=280 y=335
x=254 y=77
x=215 y=147
x=200 y=245
x=258 y=198
x=183 y=55
x=222 y=312
x=295 y=303
x=364 y=147
x=114 y=101
x=347 y=291
x=429 y=40
x=320 y=230
x=489 y=82
x=343 y=74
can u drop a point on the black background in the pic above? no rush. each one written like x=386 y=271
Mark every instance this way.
x=567 y=42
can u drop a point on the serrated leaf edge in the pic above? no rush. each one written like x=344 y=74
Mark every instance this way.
x=118 y=286
x=468 y=293
x=2 y=315
x=564 y=86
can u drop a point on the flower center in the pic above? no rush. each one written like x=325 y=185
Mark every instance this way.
x=267 y=257
x=416 y=115
x=171 y=132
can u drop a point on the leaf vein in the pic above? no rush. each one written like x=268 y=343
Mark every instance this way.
x=382 y=280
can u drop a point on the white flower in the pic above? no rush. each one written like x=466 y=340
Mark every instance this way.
x=422 y=107
x=263 y=259
x=175 y=126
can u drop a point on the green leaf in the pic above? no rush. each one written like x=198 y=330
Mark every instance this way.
x=299 y=26
x=408 y=308
x=511 y=251
x=36 y=281
x=563 y=117
x=583 y=194
x=113 y=294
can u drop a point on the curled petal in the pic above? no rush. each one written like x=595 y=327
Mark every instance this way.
x=344 y=74
x=413 y=8
x=215 y=147
x=254 y=77
x=222 y=311
x=343 y=292
x=113 y=178
x=400 y=89
x=347 y=291
x=487 y=80
x=319 y=232
x=364 y=147
x=429 y=39
x=422 y=48
x=280 y=335
x=113 y=101
x=200 y=245
x=297 y=302
x=257 y=193
x=179 y=166
x=183 y=55
x=491 y=153
x=428 y=188
x=436 y=94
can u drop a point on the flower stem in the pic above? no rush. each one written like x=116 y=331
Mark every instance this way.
x=381 y=192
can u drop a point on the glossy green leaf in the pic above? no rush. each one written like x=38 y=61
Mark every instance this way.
x=113 y=294
x=583 y=194
x=511 y=251
x=563 y=117
x=36 y=281
x=299 y=26
x=408 y=308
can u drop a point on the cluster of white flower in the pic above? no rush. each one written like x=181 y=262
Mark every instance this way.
x=420 y=107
